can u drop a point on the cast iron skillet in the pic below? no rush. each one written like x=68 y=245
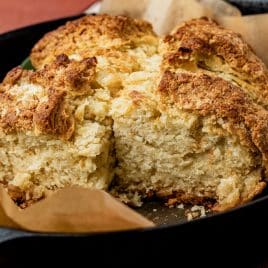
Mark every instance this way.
x=198 y=241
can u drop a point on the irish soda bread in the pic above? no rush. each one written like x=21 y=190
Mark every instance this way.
x=181 y=117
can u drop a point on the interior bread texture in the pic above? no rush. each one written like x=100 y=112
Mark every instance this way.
x=172 y=152
x=54 y=130
x=181 y=117
x=200 y=135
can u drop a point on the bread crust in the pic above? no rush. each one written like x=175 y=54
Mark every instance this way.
x=203 y=38
x=91 y=35
x=49 y=113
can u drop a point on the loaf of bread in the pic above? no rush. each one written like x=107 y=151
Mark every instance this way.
x=181 y=117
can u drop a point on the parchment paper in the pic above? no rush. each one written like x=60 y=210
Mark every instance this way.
x=72 y=209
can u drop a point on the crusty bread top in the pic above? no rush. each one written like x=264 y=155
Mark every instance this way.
x=46 y=109
x=210 y=70
x=212 y=48
x=91 y=36
x=209 y=95
x=206 y=68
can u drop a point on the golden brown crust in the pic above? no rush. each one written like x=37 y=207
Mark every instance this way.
x=52 y=117
x=179 y=197
x=21 y=198
x=209 y=46
x=213 y=96
x=13 y=76
x=47 y=111
x=76 y=77
x=254 y=192
x=89 y=36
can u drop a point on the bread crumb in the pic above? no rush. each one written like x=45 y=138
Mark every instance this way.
x=189 y=217
x=196 y=212
x=180 y=206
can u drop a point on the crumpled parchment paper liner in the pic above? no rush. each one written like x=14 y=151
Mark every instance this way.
x=71 y=209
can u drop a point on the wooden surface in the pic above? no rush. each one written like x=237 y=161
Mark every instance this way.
x=19 y=13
